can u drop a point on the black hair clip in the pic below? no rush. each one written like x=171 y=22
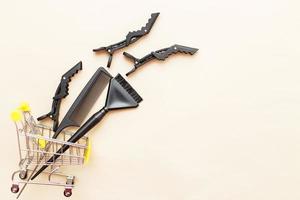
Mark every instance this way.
x=161 y=54
x=61 y=92
x=131 y=37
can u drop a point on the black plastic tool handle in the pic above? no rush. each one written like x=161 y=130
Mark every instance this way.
x=87 y=126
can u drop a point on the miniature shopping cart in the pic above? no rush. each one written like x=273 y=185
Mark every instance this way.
x=36 y=146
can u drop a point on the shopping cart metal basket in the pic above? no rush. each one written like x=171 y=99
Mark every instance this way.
x=36 y=146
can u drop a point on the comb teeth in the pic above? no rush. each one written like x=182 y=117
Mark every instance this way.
x=128 y=88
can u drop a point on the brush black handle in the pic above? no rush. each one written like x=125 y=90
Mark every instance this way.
x=88 y=125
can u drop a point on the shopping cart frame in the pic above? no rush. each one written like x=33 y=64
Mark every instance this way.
x=36 y=146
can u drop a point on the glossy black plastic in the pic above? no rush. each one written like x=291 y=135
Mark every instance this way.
x=61 y=92
x=161 y=54
x=131 y=37
x=85 y=100
x=120 y=95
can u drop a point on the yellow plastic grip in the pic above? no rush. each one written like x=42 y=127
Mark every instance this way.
x=87 y=152
x=24 y=106
x=42 y=143
x=16 y=115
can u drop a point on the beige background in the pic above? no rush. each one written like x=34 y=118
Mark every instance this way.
x=223 y=124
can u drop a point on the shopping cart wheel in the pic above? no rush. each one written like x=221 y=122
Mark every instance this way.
x=23 y=175
x=68 y=192
x=14 y=188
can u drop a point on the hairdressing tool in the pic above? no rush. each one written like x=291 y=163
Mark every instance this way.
x=60 y=93
x=120 y=95
x=131 y=37
x=85 y=100
x=161 y=54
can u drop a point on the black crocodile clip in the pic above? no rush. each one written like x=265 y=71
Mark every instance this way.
x=61 y=92
x=131 y=37
x=161 y=54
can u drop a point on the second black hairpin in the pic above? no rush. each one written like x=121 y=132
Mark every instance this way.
x=161 y=54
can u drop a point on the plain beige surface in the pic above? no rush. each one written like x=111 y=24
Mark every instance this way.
x=221 y=125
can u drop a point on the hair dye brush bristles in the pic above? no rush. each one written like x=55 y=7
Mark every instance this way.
x=120 y=95
x=128 y=88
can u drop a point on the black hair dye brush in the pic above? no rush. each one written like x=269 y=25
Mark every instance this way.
x=120 y=95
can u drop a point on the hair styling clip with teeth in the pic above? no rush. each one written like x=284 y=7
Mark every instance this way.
x=61 y=92
x=161 y=54
x=131 y=37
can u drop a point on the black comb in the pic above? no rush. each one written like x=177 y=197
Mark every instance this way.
x=85 y=100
